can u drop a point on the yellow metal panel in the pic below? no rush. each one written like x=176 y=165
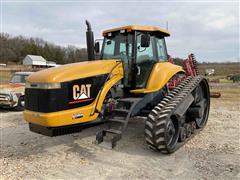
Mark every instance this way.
x=72 y=71
x=65 y=117
x=60 y=118
x=138 y=28
x=160 y=75
x=115 y=78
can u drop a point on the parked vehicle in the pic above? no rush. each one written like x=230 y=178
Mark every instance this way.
x=209 y=72
x=233 y=77
x=12 y=93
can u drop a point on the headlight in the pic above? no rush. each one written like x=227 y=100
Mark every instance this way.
x=43 y=85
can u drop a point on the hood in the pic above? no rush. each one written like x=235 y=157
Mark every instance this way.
x=73 y=71
x=10 y=87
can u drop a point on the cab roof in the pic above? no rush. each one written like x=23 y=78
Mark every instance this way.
x=130 y=28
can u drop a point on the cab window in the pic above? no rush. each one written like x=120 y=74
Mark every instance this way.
x=144 y=53
x=19 y=78
x=117 y=46
x=109 y=49
x=161 y=49
x=16 y=79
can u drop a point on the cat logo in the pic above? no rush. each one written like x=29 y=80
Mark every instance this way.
x=81 y=93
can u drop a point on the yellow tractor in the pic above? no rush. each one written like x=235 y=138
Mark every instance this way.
x=134 y=76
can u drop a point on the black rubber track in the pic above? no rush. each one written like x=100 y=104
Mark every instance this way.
x=159 y=117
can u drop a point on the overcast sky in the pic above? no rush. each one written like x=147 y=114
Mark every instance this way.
x=208 y=29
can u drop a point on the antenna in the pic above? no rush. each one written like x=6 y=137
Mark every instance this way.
x=167 y=25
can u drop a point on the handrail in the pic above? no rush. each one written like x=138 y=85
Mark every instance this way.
x=110 y=73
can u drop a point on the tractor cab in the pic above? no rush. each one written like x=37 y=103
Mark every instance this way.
x=139 y=47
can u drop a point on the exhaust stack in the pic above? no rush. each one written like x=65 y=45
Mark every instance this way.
x=90 y=42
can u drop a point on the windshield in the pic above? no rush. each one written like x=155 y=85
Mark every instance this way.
x=117 y=46
x=17 y=78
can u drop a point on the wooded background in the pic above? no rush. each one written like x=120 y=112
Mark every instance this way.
x=14 y=49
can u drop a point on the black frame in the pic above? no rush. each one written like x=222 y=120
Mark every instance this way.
x=133 y=61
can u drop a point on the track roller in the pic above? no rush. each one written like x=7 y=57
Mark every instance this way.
x=183 y=134
x=188 y=130
x=193 y=127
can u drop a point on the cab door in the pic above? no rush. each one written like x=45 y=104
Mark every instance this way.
x=146 y=57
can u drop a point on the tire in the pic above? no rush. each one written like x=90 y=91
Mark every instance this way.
x=20 y=106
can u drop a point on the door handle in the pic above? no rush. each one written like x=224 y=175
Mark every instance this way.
x=138 y=70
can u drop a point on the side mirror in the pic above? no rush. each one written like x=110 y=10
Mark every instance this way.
x=97 y=47
x=145 y=40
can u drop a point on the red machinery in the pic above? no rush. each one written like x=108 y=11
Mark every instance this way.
x=190 y=68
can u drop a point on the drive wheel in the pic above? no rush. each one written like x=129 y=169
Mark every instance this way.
x=20 y=106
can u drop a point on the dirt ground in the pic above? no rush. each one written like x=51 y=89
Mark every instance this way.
x=212 y=154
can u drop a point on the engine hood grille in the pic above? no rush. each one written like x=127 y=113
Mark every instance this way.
x=72 y=94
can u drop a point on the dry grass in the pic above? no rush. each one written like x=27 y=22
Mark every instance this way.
x=5 y=76
x=222 y=69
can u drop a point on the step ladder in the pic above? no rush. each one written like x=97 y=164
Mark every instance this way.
x=117 y=122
